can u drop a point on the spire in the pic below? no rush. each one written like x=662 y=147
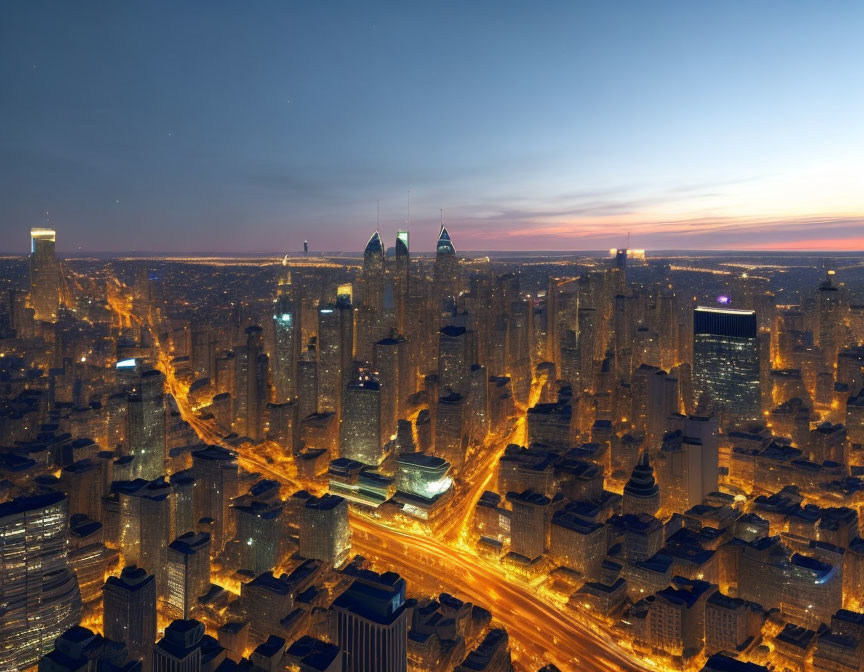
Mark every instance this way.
x=445 y=245
x=375 y=244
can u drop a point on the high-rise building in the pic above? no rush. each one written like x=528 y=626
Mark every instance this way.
x=445 y=275
x=360 y=432
x=641 y=493
x=454 y=359
x=188 y=572
x=145 y=525
x=726 y=363
x=288 y=338
x=39 y=595
x=324 y=530
x=145 y=433
x=129 y=608
x=391 y=364
x=216 y=482
x=250 y=385
x=370 y=623
x=44 y=275
x=687 y=464
x=335 y=353
x=528 y=524
x=451 y=431
x=401 y=280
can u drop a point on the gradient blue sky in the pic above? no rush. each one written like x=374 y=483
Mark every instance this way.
x=249 y=126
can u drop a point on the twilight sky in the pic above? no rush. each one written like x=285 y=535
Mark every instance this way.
x=249 y=126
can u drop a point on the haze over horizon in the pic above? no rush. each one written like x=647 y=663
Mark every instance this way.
x=565 y=126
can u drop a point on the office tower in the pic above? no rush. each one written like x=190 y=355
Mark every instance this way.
x=183 y=488
x=401 y=279
x=391 y=365
x=250 y=385
x=730 y=623
x=335 y=354
x=830 y=315
x=577 y=543
x=216 y=482
x=203 y=346
x=283 y=425
x=145 y=431
x=641 y=493
x=145 y=525
x=44 y=275
x=360 y=432
x=188 y=572
x=813 y=592
x=451 y=430
x=372 y=273
x=550 y=424
x=82 y=482
x=129 y=611
x=259 y=533
x=454 y=359
x=528 y=524
x=478 y=404
x=88 y=556
x=370 y=623
x=307 y=383
x=324 y=530
x=726 y=363
x=38 y=589
x=288 y=337
x=676 y=617
x=687 y=464
x=185 y=648
x=445 y=275
x=654 y=397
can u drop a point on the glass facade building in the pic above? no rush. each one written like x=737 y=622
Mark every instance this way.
x=726 y=363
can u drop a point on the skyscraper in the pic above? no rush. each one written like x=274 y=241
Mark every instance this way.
x=145 y=421
x=288 y=336
x=44 y=275
x=188 y=572
x=370 y=623
x=335 y=353
x=445 y=275
x=39 y=596
x=250 y=383
x=129 y=608
x=401 y=279
x=726 y=363
x=324 y=530
x=360 y=432
x=392 y=367
x=216 y=479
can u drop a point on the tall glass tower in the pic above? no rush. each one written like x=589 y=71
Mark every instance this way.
x=44 y=275
x=726 y=363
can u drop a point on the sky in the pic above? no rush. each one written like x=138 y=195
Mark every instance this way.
x=250 y=126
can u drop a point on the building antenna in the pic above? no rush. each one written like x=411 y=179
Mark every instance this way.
x=441 y=210
x=628 y=240
x=378 y=216
x=408 y=221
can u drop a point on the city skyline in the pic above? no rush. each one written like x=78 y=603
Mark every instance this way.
x=728 y=127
